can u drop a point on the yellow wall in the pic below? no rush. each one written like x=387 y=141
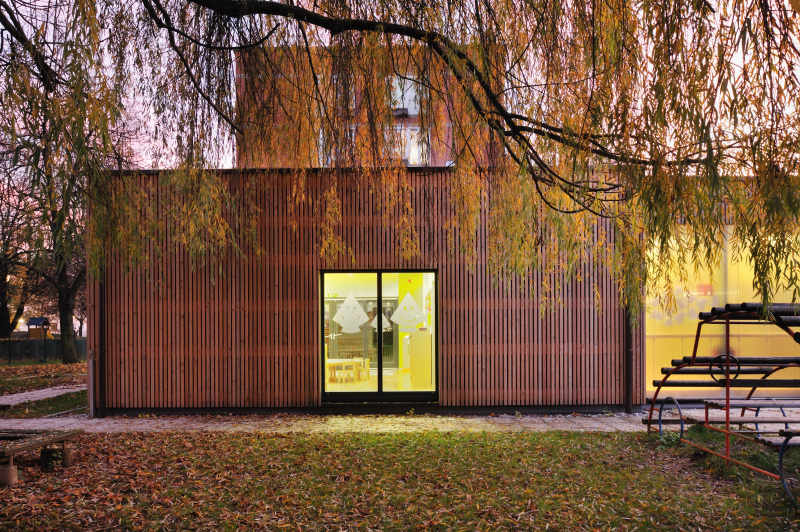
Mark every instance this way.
x=35 y=333
x=672 y=337
x=407 y=283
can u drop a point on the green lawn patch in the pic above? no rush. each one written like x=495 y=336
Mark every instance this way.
x=751 y=453
x=45 y=407
x=28 y=362
x=467 y=481
x=29 y=377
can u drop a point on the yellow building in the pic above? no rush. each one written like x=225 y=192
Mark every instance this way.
x=39 y=329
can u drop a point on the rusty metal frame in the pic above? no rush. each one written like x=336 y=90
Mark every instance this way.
x=727 y=318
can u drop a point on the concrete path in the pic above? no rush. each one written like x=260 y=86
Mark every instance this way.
x=286 y=423
x=36 y=395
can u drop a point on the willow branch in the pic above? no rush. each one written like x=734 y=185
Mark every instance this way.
x=447 y=50
x=46 y=74
x=167 y=24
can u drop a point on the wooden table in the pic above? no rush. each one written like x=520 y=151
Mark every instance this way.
x=356 y=365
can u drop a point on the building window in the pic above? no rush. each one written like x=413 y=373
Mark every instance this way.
x=404 y=97
x=413 y=146
x=379 y=340
x=672 y=336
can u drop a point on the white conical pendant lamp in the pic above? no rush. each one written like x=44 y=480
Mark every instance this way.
x=350 y=315
x=408 y=315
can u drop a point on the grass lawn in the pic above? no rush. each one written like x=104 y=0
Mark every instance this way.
x=28 y=377
x=51 y=405
x=366 y=481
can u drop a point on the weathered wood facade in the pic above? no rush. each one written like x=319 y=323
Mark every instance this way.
x=248 y=334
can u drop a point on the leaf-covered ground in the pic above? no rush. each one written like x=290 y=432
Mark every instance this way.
x=26 y=378
x=74 y=402
x=389 y=481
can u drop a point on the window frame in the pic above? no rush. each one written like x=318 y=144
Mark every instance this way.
x=380 y=396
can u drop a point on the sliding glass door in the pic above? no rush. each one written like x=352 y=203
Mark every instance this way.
x=351 y=346
x=379 y=335
x=408 y=346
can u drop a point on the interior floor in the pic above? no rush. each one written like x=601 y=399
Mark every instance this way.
x=393 y=381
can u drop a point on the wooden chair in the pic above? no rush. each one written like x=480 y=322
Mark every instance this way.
x=364 y=369
x=347 y=371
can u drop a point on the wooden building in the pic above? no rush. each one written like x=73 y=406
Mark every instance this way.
x=281 y=329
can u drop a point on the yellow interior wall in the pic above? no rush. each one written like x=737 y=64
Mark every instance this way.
x=359 y=284
x=408 y=283
x=673 y=337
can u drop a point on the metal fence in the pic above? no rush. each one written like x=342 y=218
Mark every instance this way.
x=17 y=349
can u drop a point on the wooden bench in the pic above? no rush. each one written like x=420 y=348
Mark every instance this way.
x=13 y=442
x=753 y=405
x=740 y=420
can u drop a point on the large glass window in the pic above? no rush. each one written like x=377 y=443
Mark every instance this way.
x=379 y=332
x=670 y=337
x=408 y=340
x=351 y=346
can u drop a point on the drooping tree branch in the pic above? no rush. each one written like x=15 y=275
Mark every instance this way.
x=10 y=23
x=171 y=31
x=445 y=49
x=627 y=110
x=512 y=135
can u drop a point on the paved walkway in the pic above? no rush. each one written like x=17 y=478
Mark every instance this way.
x=286 y=423
x=37 y=395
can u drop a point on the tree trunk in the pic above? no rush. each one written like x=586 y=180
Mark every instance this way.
x=8 y=321
x=69 y=353
x=66 y=305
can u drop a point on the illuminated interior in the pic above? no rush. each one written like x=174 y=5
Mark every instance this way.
x=672 y=337
x=402 y=326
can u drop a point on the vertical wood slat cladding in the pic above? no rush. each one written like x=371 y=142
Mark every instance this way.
x=246 y=333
